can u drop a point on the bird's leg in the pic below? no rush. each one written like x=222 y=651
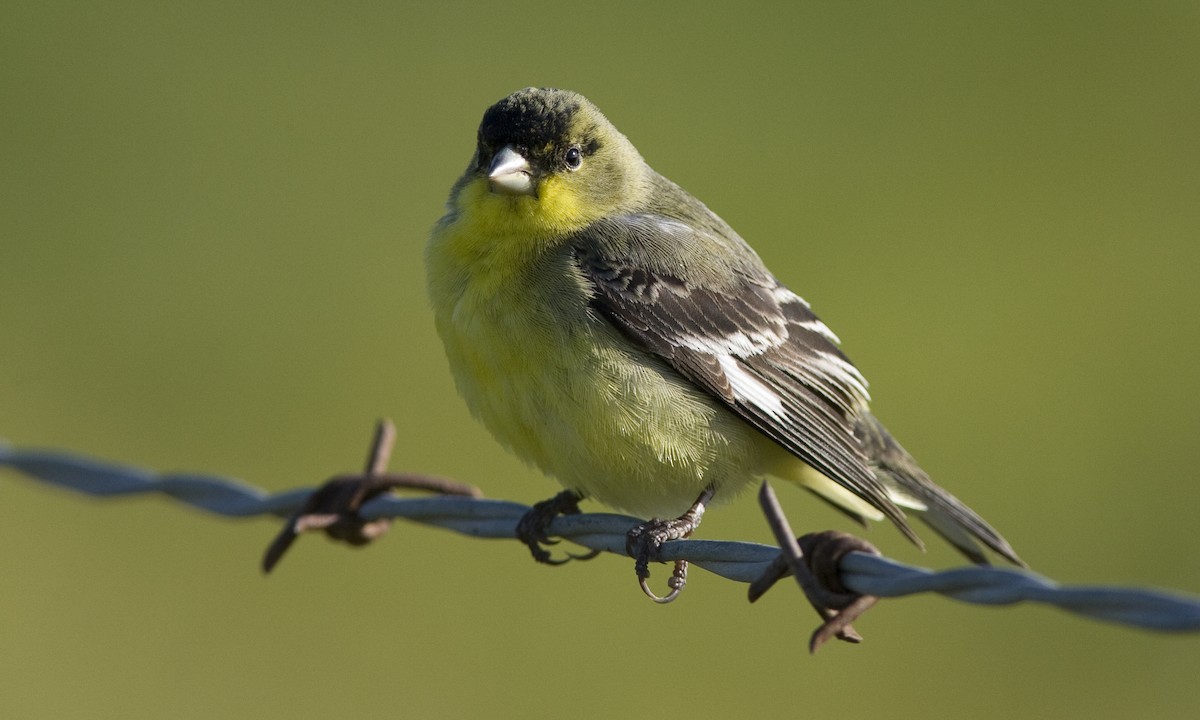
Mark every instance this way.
x=532 y=527
x=643 y=542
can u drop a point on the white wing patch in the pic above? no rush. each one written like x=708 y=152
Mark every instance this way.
x=834 y=366
x=783 y=296
x=750 y=389
x=821 y=329
x=739 y=343
x=669 y=226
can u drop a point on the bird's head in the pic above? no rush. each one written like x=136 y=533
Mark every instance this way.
x=552 y=157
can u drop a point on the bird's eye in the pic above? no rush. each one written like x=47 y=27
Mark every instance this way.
x=573 y=158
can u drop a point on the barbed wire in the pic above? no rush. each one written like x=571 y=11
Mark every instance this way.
x=862 y=573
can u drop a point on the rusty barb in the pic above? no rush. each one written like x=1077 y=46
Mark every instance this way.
x=334 y=506
x=814 y=560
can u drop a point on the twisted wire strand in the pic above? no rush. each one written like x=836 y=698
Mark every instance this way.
x=740 y=561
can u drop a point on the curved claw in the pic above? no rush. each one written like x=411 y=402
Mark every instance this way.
x=532 y=527
x=676 y=583
x=669 y=597
x=546 y=559
x=543 y=556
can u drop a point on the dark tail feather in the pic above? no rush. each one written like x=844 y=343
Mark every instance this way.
x=944 y=513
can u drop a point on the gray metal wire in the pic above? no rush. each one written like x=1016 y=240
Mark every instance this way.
x=741 y=561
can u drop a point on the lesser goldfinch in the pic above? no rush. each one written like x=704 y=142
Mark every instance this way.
x=611 y=330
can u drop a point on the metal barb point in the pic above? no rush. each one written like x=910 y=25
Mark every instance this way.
x=814 y=560
x=334 y=506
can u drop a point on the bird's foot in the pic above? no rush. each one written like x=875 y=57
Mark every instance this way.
x=643 y=542
x=532 y=527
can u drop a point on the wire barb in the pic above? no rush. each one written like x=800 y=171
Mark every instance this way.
x=814 y=560
x=334 y=507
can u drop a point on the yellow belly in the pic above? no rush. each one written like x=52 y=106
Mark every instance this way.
x=568 y=394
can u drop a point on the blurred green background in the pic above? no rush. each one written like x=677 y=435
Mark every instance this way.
x=211 y=230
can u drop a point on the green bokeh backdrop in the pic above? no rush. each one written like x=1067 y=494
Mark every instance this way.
x=211 y=228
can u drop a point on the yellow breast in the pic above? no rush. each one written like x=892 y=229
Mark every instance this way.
x=557 y=385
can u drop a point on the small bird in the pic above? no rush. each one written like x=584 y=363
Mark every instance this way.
x=611 y=330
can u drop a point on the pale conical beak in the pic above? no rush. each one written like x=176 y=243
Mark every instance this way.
x=509 y=173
